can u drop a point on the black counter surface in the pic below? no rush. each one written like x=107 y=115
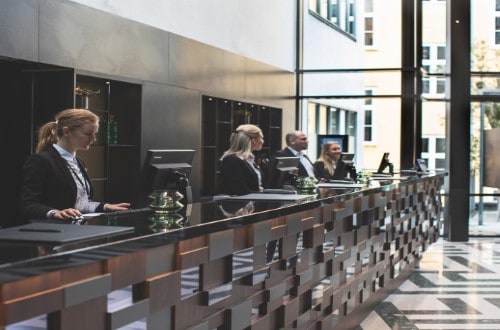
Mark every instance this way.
x=20 y=260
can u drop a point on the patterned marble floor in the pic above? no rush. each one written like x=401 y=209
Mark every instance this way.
x=456 y=286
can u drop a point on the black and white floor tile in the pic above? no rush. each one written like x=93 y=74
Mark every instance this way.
x=456 y=286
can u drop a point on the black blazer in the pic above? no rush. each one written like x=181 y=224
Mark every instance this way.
x=339 y=173
x=48 y=184
x=237 y=176
x=273 y=173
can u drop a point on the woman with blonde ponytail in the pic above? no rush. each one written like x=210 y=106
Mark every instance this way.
x=55 y=182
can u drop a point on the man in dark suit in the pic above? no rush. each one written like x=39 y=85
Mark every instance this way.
x=296 y=143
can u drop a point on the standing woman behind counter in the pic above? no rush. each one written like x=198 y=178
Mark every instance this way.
x=329 y=165
x=239 y=173
x=55 y=182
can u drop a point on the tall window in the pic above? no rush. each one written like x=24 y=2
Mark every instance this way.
x=333 y=119
x=369 y=23
x=433 y=62
x=368 y=122
x=350 y=124
x=434 y=151
x=497 y=22
x=339 y=13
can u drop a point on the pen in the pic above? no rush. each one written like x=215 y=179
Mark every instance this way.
x=41 y=230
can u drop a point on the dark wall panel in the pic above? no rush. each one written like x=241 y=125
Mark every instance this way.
x=269 y=85
x=171 y=119
x=19 y=29
x=174 y=71
x=81 y=37
x=198 y=66
x=16 y=137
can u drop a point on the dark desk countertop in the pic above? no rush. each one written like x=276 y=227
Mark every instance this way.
x=20 y=260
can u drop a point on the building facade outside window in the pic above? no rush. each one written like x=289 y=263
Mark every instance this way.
x=339 y=13
x=369 y=21
x=369 y=135
x=331 y=120
x=433 y=62
x=434 y=151
x=433 y=86
x=497 y=22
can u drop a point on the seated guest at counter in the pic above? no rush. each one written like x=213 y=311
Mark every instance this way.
x=296 y=143
x=239 y=173
x=329 y=165
x=55 y=183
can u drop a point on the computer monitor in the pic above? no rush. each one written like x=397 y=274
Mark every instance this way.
x=288 y=169
x=347 y=158
x=384 y=163
x=168 y=169
x=421 y=165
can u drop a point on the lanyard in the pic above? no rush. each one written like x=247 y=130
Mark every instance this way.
x=82 y=182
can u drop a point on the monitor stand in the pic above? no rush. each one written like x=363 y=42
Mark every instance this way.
x=187 y=191
x=391 y=169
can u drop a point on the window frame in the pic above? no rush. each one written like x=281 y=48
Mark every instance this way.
x=496 y=29
x=369 y=106
x=368 y=14
x=344 y=18
x=435 y=65
x=432 y=155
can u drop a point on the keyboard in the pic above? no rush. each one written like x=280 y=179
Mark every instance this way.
x=128 y=212
x=341 y=181
x=279 y=191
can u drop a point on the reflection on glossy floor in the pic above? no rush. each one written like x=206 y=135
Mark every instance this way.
x=456 y=286
x=486 y=224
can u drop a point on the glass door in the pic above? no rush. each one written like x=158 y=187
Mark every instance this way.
x=485 y=166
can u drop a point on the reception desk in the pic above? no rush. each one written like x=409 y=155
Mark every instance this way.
x=229 y=264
